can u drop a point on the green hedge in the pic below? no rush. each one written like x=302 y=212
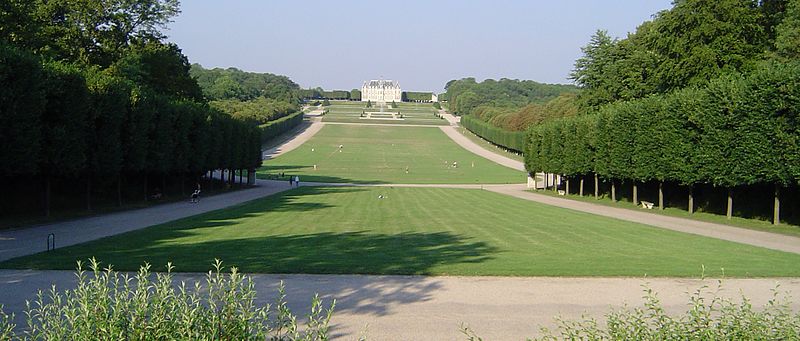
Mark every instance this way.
x=274 y=128
x=514 y=140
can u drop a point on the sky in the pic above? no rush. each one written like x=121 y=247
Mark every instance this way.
x=421 y=44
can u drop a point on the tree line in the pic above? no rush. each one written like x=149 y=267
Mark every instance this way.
x=703 y=97
x=80 y=107
x=739 y=130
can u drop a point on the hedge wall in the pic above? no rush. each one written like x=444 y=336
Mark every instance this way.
x=274 y=128
x=514 y=140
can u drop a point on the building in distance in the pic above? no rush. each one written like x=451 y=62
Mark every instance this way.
x=381 y=91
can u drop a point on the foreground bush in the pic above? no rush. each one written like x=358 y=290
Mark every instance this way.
x=709 y=317
x=107 y=305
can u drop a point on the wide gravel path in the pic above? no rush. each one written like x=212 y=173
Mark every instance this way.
x=432 y=308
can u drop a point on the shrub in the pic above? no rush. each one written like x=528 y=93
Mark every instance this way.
x=709 y=317
x=107 y=305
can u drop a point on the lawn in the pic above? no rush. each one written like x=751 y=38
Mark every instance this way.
x=413 y=113
x=380 y=154
x=430 y=231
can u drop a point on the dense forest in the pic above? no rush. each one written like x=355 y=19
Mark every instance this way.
x=700 y=106
x=250 y=96
x=96 y=107
x=500 y=110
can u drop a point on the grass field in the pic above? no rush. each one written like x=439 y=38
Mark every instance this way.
x=413 y=113
x=378 y=154
x=419 y=231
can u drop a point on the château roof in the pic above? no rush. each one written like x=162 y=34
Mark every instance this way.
x=387 y=83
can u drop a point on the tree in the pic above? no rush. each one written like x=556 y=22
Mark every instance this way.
x=21 y=108
x=787 y=41
x=161 y=67
x=95 y=31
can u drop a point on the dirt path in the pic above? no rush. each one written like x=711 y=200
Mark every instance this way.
x=311 y=129
x=432 y=308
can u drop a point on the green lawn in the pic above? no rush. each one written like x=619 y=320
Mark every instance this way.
x=378 y=154
x=419 y=231
x=413 y=113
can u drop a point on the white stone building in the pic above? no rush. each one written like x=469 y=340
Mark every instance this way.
x=381 y=91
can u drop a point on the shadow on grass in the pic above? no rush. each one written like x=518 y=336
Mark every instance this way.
x=251 y=244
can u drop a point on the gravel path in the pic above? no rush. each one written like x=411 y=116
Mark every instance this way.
x=473 y=147
x=432 y=308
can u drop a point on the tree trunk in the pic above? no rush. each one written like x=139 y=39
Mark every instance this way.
x=660 y=195
x=566 y=187
x=88 y=192
x=776 y=211
x=535 y=187
x=47 y=196
x=635 y=194
x=614 y=190
x=691 y=199
x=596 y=187
x=555 y=182
x=580 y=191
x=729 y=211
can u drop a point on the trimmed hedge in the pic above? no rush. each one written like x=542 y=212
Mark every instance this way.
x=514 y=140
x=274 y=128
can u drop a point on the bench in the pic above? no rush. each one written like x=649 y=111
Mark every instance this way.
x=562 y=192
x=648 y=205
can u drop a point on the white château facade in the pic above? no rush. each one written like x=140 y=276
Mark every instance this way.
x=381 y=91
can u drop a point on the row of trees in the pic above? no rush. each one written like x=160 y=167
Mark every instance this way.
x=93 y=96
x=61 y=122
x=735 y=131
x=513 y=140
x=465 y=95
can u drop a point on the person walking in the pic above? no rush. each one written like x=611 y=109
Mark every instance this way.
x=297 y=181
x=291 y=178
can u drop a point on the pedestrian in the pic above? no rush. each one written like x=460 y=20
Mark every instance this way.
x=291 y=178
x=195 y=196
x=297 y=181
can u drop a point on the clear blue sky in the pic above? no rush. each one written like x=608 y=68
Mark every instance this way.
x=421 y=44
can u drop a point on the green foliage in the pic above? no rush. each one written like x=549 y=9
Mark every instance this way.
x=161 y=67
x=688 y=45
x=514 y=140
x=326 y=103
x=108 y=305
x=787 y=42
x=90 y=32
x=355 y=95
x=437 y=106
x=336 y=94
x=709 y=317
x=737 y=130
x=260 y=110
x=411 y=96
x=466 y=94
x=64 y=120
x=232 y=83
x=274 y=128
x=21 y=106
